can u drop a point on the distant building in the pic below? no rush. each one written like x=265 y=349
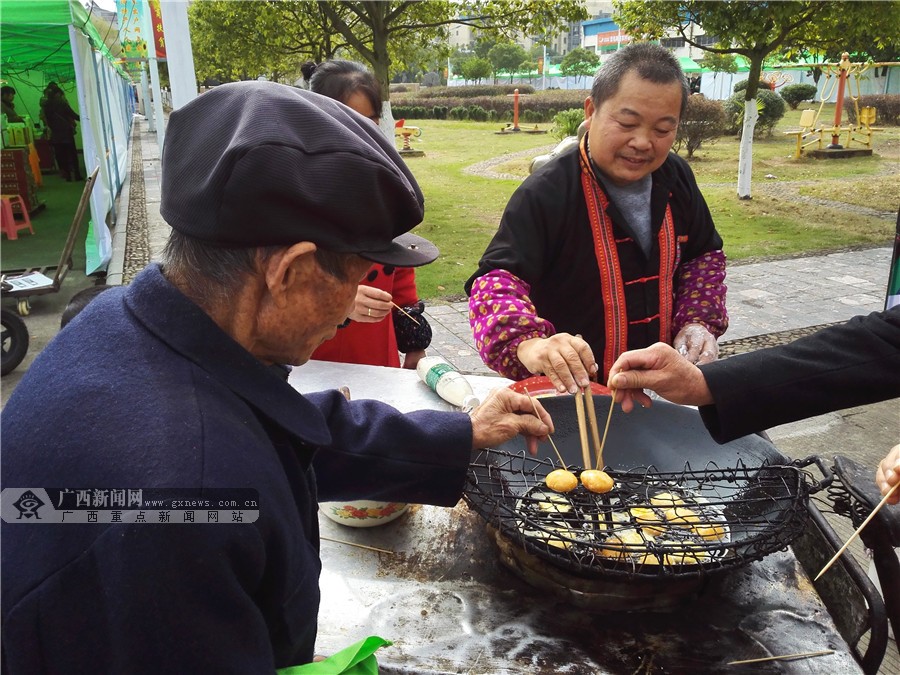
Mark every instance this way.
x=463 y=37
x=110 y=16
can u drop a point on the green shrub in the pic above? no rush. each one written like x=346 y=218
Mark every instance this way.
x=703 y=120
x=566 y=123
x=439 y=112
x=477 y=113
x=887 y=108
x=458 y=113
x=795 y=94
x=742 y=86
x=771 y=109
x=474 y=90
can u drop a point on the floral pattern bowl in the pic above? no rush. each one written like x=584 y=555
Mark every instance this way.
x=363 y=513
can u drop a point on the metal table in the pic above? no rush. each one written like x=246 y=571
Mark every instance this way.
x=450 y=607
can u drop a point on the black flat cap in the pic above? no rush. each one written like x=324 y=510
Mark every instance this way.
x=263 y=164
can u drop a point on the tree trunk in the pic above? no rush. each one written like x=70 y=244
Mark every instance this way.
x=745 y=158
x=751 y=114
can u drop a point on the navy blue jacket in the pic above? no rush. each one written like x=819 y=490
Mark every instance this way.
x=143 y=390
x=851 y=364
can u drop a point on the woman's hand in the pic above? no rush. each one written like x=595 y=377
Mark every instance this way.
x=372 y=304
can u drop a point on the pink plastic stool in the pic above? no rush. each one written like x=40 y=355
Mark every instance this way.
x=10 y=225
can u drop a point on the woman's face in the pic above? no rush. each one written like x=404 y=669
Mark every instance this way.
x=361 y=104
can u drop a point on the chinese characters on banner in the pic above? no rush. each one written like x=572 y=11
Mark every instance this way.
x=159 y=38
x=131 y=30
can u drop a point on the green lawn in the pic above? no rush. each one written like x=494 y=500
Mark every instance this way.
x=462 y=210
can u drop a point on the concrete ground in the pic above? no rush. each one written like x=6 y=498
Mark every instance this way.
x=770 y=302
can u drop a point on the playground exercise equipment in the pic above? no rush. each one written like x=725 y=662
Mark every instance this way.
x=508 y=129
x=843 y=75
x=400 y=129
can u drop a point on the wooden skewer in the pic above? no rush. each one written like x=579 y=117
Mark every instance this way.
x=592 y=422
x=408 y=315
x=549 y=437
x=612 y=403
x=858 y=530
x=785 y=657
x=582 y=429
x=350 y=543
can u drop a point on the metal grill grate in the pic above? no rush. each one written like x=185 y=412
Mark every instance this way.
x=651 y=524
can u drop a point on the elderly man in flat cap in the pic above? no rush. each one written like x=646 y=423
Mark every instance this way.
x=279 y=201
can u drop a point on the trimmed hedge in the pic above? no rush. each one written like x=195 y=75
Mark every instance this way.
x=887 y=108
x=474 y=90
x=539 y=107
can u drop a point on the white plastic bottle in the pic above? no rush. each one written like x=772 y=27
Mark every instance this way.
x=447 y=381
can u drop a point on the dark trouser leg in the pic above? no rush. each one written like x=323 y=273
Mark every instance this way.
x=63 y=160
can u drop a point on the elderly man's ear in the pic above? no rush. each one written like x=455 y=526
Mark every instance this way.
x=288 y=267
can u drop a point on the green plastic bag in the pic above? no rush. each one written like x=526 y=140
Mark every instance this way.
x=357 y=659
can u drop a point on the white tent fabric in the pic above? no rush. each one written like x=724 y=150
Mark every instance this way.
x=105 y=104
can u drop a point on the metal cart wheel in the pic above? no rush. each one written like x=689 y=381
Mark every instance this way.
x=24 y=307
x=14 y=341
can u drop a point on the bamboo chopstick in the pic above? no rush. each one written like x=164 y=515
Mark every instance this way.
x=408 y=315
x=612 y=403
x=549 y=437
x=582 y=429
x=858 y=530
x=592 y=422
x=784 y=657
x=350 y=543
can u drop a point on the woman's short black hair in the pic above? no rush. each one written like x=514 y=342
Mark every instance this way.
x=340 y=79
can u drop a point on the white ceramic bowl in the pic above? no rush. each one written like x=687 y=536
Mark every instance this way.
x=363 y=513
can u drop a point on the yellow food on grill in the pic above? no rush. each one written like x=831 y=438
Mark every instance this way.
x=710 y=531
x=676 y=553
x=597 y=481
x=666 y=499
x=548 y=502
x=682 y=516
x=561 y=480
x=649 y=520
x=622 y=544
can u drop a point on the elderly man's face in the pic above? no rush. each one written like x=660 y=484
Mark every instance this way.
x=631 y=133
x=317 y=303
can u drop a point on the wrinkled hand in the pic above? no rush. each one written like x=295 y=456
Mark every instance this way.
x=371 y=305
x=505 y=414
x=566 y=359
x=888 y=474
x=411 y=359
x=696 y=344
x=660 y=368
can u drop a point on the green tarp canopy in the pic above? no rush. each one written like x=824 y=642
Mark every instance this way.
x=44 y=41
x=688 y=65
x=34 y=34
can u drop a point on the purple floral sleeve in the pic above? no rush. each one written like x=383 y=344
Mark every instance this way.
x=502 y=315
x=700 y=293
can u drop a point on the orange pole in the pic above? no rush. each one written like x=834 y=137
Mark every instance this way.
x=515 y=110
x=839 y=105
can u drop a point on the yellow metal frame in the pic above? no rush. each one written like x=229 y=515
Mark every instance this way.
x=811 y=133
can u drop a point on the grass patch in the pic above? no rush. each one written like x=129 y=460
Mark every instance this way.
x=462 y=210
